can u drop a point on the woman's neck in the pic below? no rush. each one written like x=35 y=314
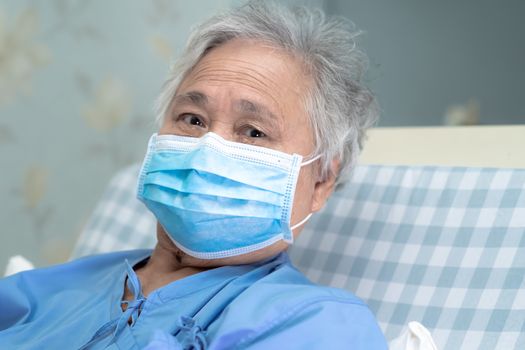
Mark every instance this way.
x=165 y=265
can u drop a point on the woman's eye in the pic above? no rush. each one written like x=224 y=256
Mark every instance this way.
x=252 y=132
x=193 y=119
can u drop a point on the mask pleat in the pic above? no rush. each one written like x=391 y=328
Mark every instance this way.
x=255 y=175
x=211 y=204
x=191 y=181
x=223 y=232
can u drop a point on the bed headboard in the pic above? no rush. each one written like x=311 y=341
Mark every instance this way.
x=494 y=146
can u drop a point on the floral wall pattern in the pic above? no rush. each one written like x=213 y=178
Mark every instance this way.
x=77 y=82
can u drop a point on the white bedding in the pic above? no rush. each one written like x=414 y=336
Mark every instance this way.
x=414 y=337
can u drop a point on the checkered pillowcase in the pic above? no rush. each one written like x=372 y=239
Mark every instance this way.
x=441 y=246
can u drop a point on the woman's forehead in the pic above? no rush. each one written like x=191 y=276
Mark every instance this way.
x=253 y=68
x=252 y=79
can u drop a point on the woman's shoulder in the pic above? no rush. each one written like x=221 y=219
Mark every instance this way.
x=286 y=307
x=43 y=296
x=76 y=272
x=293 y=284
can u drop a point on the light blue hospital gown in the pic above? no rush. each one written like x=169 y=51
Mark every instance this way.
x=269 y=305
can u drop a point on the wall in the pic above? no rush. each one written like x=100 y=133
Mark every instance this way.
x=77 y=83
x=429 y=55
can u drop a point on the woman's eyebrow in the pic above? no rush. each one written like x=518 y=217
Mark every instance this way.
x=242 y=106
x=261 y=113
x=192 y=97
x=255 y=109
x=245 y=107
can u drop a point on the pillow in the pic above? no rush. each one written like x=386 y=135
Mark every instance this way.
x=120 y=221
x=17 y=264
x=441 y=246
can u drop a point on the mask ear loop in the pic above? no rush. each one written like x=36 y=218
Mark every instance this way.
x=310 y=160
x=300 y=223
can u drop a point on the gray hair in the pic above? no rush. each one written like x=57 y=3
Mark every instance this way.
x=339 y=107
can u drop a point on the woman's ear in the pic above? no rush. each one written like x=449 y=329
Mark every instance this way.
x=323 y=189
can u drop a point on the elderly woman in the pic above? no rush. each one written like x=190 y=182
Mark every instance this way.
x=262 y=116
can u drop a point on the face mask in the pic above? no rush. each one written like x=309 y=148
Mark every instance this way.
x=216 y=198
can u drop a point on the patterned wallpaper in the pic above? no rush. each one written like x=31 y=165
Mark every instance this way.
x=77 y=83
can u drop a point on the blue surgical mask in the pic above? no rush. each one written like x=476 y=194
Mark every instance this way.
x=217 y=198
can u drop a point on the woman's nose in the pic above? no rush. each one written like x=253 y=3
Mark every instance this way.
x=223 y=129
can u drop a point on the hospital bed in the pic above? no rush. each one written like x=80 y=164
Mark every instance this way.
x=431 y=228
